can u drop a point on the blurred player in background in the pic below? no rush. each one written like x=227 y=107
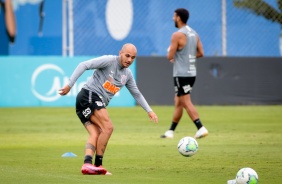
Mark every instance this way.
x=184 y=48
x=111 y=74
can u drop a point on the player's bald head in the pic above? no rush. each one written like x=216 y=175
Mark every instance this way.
x=129 y=47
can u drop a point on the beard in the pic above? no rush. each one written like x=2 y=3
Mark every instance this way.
x=175 y=24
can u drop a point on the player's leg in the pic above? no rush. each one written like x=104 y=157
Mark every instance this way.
x=194 y=115
x=84 y=110
x=186 y=85
x=178 y=108
x=178 y=111
x=90 y=148
x=102 y=120
x=189 y=107
x=91 y=144
x=177 y=114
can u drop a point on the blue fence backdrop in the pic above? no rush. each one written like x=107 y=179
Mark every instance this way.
x=102 y=27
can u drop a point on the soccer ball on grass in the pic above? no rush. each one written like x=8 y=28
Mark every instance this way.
x=187 y=146
x=246 y=176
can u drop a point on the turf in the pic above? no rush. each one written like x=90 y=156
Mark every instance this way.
x=32 y=141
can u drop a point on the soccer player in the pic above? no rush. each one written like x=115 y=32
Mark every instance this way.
x=184 y=48
x=111 y=74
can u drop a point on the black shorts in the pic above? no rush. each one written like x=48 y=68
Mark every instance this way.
x=86 y=103
x=183 y=85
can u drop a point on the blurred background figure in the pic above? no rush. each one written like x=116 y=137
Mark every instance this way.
x=8 y=26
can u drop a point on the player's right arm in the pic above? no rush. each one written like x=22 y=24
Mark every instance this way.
x=81 y=67
x=95 y=63
x=63 y=91
x=173 y=46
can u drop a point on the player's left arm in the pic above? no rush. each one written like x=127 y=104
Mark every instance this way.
x=153 y=117
x=200 y=49
x=137 y=95
x=135 y=92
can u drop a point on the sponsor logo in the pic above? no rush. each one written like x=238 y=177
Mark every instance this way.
x=111 y=87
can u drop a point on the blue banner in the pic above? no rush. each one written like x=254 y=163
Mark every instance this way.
x=34 y=81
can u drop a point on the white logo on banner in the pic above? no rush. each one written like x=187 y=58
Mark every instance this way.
x=119 y=18
x=52 y=94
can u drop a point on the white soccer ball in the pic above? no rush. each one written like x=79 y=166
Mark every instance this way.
x=187 y=146
x=246 y=176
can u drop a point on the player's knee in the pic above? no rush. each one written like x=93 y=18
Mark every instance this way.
x=188 y=104
x=109 y=129
x=94 y=136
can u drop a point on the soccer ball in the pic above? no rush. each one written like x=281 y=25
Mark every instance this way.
x=187 y=146
x=246 y=176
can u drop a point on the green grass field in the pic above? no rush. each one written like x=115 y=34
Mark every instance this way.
x=32 y=141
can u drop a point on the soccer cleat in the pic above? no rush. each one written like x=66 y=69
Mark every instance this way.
x=108 y=173
x=168 y=134
x=92 y=169
x=202 y=132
